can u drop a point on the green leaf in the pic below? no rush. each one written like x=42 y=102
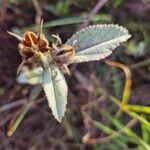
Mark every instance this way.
x=138 y=108
x=97 y=42
x=55 y=88
x=127 y=131
x=145 y=132
x=76 y=20
x=34 y=76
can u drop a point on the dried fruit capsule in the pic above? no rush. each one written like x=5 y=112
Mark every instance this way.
x=32 y=44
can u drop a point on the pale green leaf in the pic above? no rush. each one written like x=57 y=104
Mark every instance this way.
x=55 y=88
x=34 y=76
x=97 y=42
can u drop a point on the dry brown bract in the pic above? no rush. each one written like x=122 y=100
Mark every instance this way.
x=32 y=47
x=62 y=54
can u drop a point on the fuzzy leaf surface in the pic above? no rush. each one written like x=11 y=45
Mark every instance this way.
x=56 y=89
x=97 y=42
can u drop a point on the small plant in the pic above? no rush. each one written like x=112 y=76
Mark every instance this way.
x=51 y=61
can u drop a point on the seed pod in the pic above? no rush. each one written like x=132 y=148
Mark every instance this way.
x=33 y=44
x=65 y=54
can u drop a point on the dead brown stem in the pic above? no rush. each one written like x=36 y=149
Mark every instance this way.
x=97 y=7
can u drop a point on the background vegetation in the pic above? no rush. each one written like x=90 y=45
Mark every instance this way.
x=107 y=109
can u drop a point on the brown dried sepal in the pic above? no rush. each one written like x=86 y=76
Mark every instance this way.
x=32 y=44
x=65 y=54
x=62 y=55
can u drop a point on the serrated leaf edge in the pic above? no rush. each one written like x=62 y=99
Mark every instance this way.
x=58 y=118
x=99 y=26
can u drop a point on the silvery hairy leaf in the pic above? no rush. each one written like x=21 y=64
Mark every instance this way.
x=56 y=89
x=34 y=76
x=97 y=42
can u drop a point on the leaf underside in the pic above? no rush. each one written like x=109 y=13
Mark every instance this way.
x=97 y=42
x=54 y=85
x=34 y=76
x=56 y=89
